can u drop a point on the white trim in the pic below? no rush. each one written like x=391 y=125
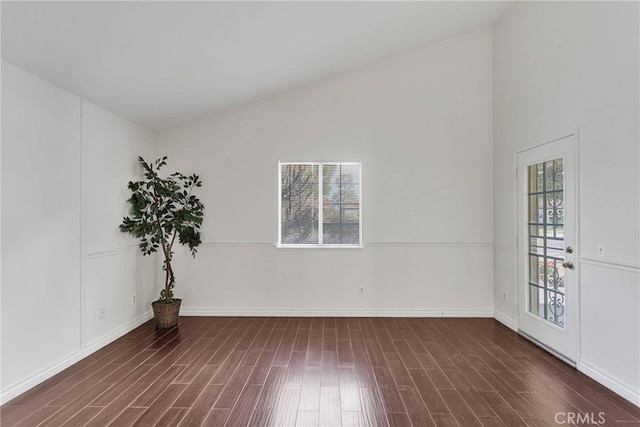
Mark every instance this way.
x=381 y=244
x=1 y=352
x=504 y=247
x=82 y=314
x=615 y=265
x=566 y=359
x=431 y=244
x=319 y=246
x=126 y=328
x=505 y=320
x=576 y=240
x=110 y=252
x=550 y=140
x=239 y=244
x=330 y=312
x=48 y=372
x=608 y=381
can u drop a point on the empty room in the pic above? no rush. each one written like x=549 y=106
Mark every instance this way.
x=341 y=213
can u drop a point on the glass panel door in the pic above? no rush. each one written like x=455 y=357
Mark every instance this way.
x=548 y=295
x=546 y=289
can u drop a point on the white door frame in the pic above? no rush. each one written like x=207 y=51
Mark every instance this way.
x=575 y=133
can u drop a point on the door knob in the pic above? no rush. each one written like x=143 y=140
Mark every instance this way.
x=568 y=264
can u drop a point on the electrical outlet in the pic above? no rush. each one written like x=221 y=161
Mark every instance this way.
x=133 y=299
x=103 y=313
x=600 y=249
x=504 y=296
x=361 y=291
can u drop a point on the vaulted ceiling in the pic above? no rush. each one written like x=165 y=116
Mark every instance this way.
x=162 y=64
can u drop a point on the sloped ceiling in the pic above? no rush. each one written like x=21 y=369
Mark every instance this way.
x=162 y=64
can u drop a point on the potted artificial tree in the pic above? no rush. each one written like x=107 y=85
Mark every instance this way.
x=163 y=210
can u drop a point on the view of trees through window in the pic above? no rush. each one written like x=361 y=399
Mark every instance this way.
x=302 y=219
x=341 y=204
x=299 y=204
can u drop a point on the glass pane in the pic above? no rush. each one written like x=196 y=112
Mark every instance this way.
x=536 y=230
x=548 y=176
x=559 y=175
x=533 y=179
x=536 y=247
x=299 y=204
x=540 y=172
x=555 y=281
x=536 y=301
x=559 y=207
x=341 y=204
x=555 y=308
x=546 y=240
x=536 y=270
x=533 y=210
x=554 y=248
x=536 y=209
x=540 y=209
x=536 y=242
x=549 y=208
x=548 y=232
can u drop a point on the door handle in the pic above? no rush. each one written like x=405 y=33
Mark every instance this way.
x=568 y=264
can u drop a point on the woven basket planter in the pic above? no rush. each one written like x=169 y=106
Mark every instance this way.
x=166 y=315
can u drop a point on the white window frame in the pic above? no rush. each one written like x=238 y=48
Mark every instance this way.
x=320 y=210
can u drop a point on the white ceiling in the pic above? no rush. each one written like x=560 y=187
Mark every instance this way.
x=162 y=64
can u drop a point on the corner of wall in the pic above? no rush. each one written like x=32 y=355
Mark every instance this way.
x=94 y=173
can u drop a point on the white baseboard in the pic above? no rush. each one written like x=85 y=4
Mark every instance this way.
x=505 y=320
x=347 y=312
x=112 y=336
x=603 y=378
x=46 y=373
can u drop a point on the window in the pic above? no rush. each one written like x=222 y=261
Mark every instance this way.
x=320 y=204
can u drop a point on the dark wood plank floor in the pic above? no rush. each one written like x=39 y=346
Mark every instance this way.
x=217 y=371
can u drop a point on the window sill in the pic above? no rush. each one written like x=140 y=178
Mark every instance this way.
x=281 y=246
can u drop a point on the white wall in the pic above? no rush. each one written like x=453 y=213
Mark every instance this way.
x=559 y=66
x=421 y=125
x=62 y=255
x=114 y=269
x=40 y=224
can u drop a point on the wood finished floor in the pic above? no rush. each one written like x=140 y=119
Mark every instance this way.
x=236 y=371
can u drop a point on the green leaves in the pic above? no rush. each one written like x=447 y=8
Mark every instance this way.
x=161 y=210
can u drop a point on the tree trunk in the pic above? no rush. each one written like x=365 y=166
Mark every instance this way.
x=168 y=273
x=169 y=279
